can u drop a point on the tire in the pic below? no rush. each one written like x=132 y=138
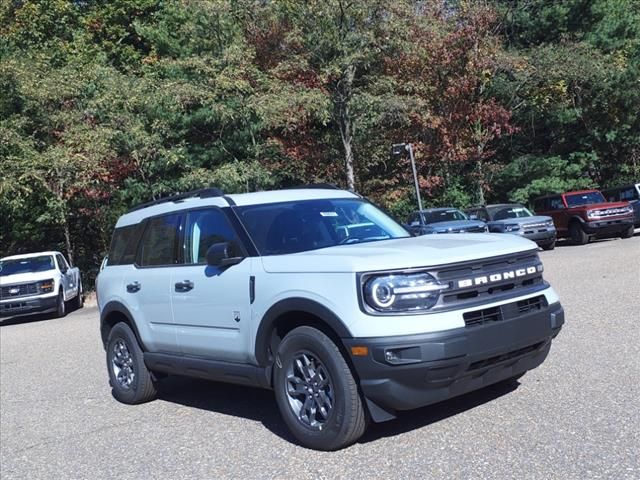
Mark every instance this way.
x=628 y=233
x=549 y=246
x=130 y=379
x=578 y=235
x=61 y=306
x=344 y=421
x=78 y=302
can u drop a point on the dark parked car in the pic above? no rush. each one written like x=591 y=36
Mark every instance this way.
x=443 y=220
x=516 y=219
x=626 y=193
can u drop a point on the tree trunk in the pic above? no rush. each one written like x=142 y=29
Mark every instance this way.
x=343 y=96
x=67 y=240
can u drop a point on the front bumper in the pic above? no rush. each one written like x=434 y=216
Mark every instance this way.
x=429 y=368
x=541 y=238
x=28 y=305
x=613 y=226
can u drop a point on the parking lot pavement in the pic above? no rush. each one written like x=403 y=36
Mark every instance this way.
x=574 y=417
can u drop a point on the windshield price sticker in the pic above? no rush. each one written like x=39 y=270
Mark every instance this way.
x=329 y=214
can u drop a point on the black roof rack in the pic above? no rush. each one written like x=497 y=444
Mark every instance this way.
x=202 y=193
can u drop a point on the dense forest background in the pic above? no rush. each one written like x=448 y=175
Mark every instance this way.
x=104 y=104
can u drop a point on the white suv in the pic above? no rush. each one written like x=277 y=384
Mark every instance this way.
x=317 y=294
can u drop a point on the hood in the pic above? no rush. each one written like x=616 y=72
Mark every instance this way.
x=28 y=277
x=524 y=220
x=455 y=225
x=410 y=252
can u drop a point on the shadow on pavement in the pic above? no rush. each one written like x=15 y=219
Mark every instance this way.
x=33 y=318
x=36 y=317
x=260 y=405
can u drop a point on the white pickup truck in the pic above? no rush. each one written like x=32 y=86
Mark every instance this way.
x=38 y=283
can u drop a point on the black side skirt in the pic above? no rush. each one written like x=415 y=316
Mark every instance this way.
x=217 y=371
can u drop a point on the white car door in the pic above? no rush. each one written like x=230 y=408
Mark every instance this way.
x=146 y=284
x=211 y=306
x=67 y=280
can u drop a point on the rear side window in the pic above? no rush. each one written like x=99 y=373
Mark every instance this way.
x=556 y=203
x=628 y=194
x=203 y=228
x=159 y=244
x=124 y=244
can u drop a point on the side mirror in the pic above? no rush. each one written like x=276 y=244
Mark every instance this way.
x=223 y=255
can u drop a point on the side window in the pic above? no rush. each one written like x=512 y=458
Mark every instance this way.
x=628 y=194
x=540 y=205
x=124 y=244
x=482 y=214
x=555 y=203
x=159 y=244
x=203 y=228
x=62 y=263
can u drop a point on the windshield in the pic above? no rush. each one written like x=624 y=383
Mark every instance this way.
x=512 y=211
x=435 y=216
x=26 y=265
x=578 y=199
x=292 y=227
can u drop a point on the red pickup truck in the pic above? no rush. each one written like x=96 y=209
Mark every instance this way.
x=585 y=214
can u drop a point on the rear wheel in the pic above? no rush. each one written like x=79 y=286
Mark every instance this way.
x=578 y=235
x=316 y=392
x=628 y=233
x=130 y=379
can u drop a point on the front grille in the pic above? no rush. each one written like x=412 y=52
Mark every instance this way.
x=460 y=293
x=479 y=317
x=533 y=226
x=15 y=291
x=475 y=230
x=504 y=312
x=534 y=303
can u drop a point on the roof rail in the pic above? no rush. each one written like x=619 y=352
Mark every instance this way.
x=201 y=193
x=328 y=186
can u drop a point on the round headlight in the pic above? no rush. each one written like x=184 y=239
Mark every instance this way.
x=402 y=292
x=381 y=290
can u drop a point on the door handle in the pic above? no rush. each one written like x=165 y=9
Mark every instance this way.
x=133 y=287
x=184 y=286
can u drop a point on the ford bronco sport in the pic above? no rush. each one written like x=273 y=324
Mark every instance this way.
x=318 y=295
x=584 y=214
x=516 y=219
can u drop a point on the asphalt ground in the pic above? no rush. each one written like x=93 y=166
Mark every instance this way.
x=575 y=417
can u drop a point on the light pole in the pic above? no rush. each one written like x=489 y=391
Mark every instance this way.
x=396 y=150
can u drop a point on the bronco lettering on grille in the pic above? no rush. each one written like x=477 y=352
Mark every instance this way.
x=497 y=277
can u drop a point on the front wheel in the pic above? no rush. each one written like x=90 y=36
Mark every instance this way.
x=578 y=235
x=316 y=392
x=61 y=306
x=549 y=246
x=79 y=300
x=628 y=233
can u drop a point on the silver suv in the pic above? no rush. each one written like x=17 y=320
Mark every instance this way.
x=318 y=295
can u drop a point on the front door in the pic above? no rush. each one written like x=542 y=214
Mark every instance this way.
x=67 y=278
x=211 y=306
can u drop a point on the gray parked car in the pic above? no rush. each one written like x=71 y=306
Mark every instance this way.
x=443 y=220
x=516 y=219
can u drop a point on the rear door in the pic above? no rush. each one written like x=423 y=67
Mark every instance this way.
x=211 y=306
